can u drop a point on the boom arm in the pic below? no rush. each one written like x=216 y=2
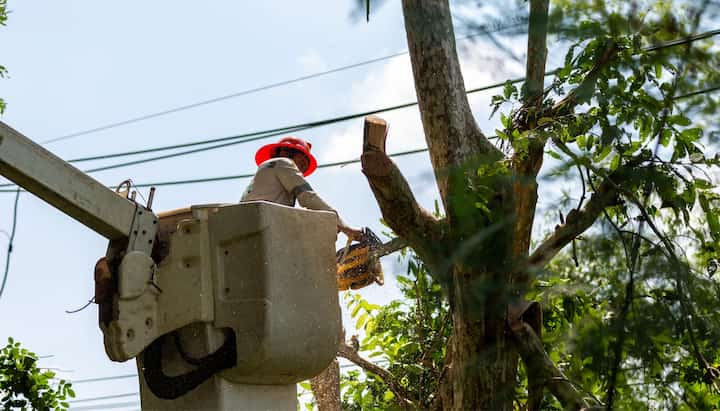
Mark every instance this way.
x=126 y=284
x=65 y=187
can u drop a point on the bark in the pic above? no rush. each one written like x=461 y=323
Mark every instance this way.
x=472 y=254
x=451 y=133
x=527 y=164
x=326 y=388
x=417 y=226
x=541 y=370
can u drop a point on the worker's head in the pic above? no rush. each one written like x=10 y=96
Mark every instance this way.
x=293 y=148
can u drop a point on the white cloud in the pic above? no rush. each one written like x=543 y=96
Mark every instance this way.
x=392 y=84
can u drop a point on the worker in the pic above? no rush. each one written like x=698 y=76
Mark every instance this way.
x=280 y=178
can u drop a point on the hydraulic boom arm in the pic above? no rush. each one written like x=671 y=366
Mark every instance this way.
x=65 y=187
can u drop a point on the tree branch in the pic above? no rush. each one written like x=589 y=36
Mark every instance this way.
x=584 y=91
x=403 y=396
x=527 y=163
x=537 y=53
x=452 y=135
x=541 y=370
x=575 y=224
x=399 y=208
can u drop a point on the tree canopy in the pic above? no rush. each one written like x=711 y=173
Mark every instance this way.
x=614 y=307
x=24 y=386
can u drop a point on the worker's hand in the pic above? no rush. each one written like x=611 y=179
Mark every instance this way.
x=353 y=233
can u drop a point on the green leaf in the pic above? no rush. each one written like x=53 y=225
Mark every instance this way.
x=679 y=120
x=691 y=134
x=545 y=120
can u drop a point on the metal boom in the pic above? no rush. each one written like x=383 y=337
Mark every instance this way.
x=65 y=187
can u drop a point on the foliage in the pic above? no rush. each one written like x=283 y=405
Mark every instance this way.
x=407 y=337
x=629 y=310
x=25 y=386
x=583 y=315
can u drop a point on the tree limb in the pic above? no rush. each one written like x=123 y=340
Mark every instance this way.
x=402 y=396
x=541 y=370
x=537 y=53
x=527 y=163
x=451 y=132
x=576 y=223
x=399 y=208
x=584 y=91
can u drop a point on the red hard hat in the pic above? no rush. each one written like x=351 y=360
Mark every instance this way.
x=267 y=152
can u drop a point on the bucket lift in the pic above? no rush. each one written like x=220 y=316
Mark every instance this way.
x=224 y=307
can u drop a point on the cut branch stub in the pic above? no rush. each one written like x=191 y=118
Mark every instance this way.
x=374 y=160
x=374 y=133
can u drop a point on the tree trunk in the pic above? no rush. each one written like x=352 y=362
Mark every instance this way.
x=481 y=360
x=326 y=387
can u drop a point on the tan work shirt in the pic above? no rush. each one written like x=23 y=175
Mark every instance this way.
x=278 y=180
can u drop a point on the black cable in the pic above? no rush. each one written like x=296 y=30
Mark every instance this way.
x=486 y=30
x=107 y=406
x=105 y=397
x=241 y=176
x=10 y=242
x=341 y=163
x=99 y=379
x=684 y=40
x=257 y=135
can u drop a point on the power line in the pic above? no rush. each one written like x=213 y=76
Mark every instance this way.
x=10 y=242
x=114 y=377
x=257 y=135
x=107 y=406
x=106 y=397
x=684 y=40
x=241 y=176
x=340 y=163
x=486 y=30
x=130 y=394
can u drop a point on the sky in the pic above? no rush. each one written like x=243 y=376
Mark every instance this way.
x=78 y=65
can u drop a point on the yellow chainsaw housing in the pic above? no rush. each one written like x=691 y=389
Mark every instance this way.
x=355 y=268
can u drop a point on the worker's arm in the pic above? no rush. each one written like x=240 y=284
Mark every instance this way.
x=294 y=182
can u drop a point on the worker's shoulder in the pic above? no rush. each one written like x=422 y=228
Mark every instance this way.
x=278 y=162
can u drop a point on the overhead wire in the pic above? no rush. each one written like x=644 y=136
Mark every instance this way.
x=258 y=135
x=483 y=30
x=296 y=127
x=130 y=394
x=327 y=165
x=11 y=240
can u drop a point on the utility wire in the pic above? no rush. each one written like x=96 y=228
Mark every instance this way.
x=485 y=30
x=98 y=379
x=241 y=176
x=106 y=397
x=340 y=163
x=107 y=406
x=130 y=394
x=258 y=135
x=10 y=242
x=298 y=127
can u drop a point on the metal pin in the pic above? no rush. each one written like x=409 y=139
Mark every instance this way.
x=150 y=198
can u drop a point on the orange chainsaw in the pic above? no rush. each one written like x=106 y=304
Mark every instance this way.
x=358 y=264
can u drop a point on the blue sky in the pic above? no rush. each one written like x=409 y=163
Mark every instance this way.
x=76 y=65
